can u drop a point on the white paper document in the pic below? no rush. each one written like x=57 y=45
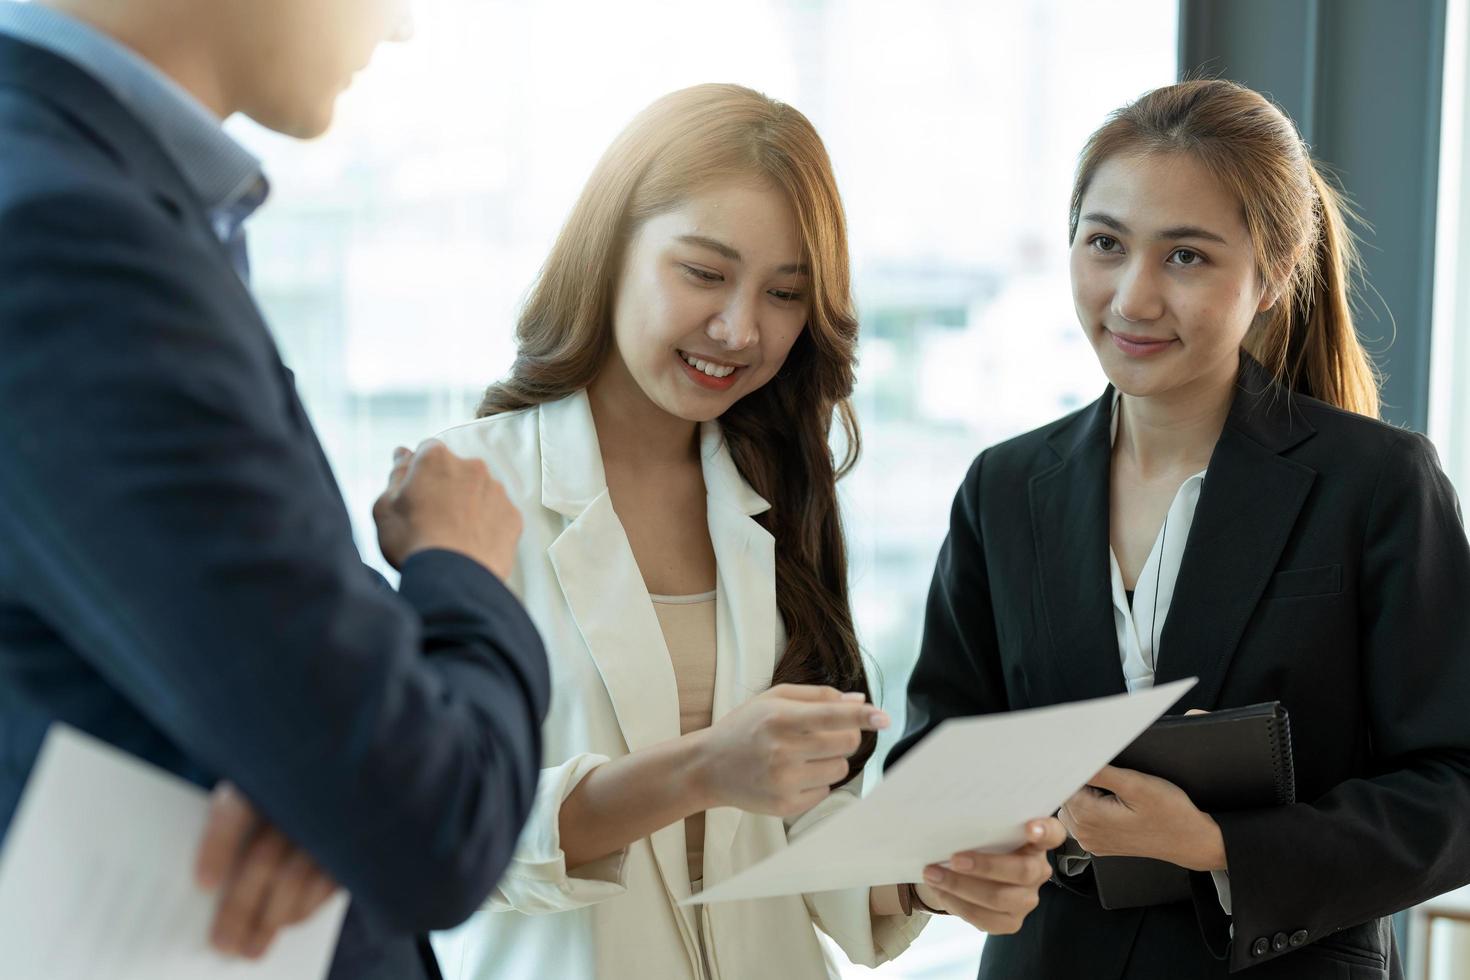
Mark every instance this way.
x=972 y=784
x=96 y=879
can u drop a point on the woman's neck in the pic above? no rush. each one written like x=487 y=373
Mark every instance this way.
x=1175 y=430
x=631 y=429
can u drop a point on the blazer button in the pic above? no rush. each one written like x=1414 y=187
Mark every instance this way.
x=1279 y=941
x=1298 y=937
x=1261 y=947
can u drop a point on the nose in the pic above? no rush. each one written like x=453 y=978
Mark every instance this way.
x=735 y=327
x=1137 y=298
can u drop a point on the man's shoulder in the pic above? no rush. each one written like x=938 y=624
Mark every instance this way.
x=44 y=153
x=94 y=260
x=63 y=199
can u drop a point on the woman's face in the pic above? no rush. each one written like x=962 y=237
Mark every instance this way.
x=1163 y=275
x=710 y=299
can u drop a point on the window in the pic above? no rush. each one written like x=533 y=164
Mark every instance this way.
x=1449 y=412
x=1441 y=945
x=393 y=255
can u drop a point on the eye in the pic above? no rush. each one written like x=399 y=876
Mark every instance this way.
x=700 y=275
x=788 y=295
x=1106 y=244
x=1186 y=257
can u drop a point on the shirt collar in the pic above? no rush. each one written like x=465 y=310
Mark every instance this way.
x=225 y=176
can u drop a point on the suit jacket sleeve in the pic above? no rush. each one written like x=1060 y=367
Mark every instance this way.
x=959 y=672
x=167 y=503
x=1398 y=836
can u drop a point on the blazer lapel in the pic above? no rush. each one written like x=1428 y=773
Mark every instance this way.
x=1247 y=509
x=90 y=106
x=1069 y=515
x=604 y=590
x=747 y=621
x=93 y=108
x=109 y=124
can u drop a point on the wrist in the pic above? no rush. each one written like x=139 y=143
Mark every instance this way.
x=930 y=898
x=1209 y=847
x=693 y=772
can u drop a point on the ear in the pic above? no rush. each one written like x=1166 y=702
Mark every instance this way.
x=1269 y=296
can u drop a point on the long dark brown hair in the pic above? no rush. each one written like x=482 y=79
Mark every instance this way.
x=779 y=436
x=1305 y=251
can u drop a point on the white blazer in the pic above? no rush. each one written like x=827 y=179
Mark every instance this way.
x=613 y=692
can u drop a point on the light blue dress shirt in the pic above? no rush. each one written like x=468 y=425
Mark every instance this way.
x=226 y=177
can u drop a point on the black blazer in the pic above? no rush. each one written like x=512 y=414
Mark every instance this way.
x=1327 y=568
x=177 y=570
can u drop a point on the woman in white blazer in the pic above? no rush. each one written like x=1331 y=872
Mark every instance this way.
x=664 y=432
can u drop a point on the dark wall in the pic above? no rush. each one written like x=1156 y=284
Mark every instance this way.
x=1362 y=79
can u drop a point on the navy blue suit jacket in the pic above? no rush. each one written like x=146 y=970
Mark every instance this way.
x=177 y=569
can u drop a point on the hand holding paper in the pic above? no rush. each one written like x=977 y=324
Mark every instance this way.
x=1011 y=768
x=97 y=879
x=267 y=882
x=995 y=892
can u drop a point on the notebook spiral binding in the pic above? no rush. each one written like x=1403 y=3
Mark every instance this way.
x=1184 y=748
x=1282 y=759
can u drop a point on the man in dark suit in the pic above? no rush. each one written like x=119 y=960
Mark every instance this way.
x=177 y=570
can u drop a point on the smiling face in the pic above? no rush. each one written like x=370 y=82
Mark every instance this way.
x=710 y=299
x=1164 y=277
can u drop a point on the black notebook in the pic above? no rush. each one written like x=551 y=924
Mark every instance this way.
x=1237 y=759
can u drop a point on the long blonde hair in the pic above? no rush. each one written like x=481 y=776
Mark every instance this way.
x=1305 y=251
x=779 y=436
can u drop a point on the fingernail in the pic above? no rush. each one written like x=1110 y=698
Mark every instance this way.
x=878 y=719
x=933 y=875
x=854 y=696
x=1036 y=830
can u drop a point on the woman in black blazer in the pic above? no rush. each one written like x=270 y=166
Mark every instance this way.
x=1230 y=509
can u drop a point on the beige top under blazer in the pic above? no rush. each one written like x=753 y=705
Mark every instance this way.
x=613 y=692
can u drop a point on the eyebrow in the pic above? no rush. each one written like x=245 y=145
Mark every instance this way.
x=1178 y=231
x=715 y=245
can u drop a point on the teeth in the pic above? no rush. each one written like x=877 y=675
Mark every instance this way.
x=712 y=370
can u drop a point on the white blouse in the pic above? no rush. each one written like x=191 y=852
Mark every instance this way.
x=1141 y=624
